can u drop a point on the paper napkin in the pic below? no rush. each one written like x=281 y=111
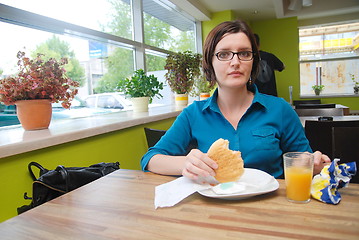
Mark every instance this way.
x=171 y=193
x=332 y=177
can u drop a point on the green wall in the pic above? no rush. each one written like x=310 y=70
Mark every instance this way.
x=280 y=37
x=217 y=18
x=125 y=146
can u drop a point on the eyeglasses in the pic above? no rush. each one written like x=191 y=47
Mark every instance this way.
x=228 y=55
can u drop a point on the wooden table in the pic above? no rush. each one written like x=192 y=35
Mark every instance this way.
x=121 y=206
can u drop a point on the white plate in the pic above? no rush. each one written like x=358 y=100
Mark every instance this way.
x=257 y=181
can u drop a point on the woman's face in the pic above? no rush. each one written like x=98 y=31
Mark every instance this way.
x=233 y=73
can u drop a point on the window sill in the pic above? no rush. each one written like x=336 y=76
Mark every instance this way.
x=15 y=140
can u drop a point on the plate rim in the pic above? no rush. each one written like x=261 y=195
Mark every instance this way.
x=274 y=185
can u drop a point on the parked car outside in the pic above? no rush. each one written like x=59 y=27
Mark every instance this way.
x=114 y=100
x=91 y=105
x=108 y=101
x=78 y=109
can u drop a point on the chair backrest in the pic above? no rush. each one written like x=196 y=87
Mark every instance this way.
x=345 y=142
x=325 y=112
x=319 y=134
x=153 y=136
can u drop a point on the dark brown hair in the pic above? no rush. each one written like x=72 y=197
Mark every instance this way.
x=216 y=35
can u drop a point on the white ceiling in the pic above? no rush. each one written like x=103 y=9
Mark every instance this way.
x=254 y=10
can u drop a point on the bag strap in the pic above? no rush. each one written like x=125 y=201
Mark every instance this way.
x=65 y=175
x=48 y=186
x=42 y=169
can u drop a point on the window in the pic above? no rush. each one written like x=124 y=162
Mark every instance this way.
x=97 y=15
x=329 y=56
x=167 y=27
x=106 y=40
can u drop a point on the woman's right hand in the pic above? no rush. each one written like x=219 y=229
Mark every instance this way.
x=198 y=165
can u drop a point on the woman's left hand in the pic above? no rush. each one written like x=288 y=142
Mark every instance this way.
x=320 y=160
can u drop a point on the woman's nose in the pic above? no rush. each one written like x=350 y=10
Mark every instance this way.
x=235 y=60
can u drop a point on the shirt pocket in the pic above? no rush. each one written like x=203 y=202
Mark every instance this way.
x=265 y=139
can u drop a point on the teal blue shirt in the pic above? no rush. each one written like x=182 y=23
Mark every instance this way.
x=269 y=128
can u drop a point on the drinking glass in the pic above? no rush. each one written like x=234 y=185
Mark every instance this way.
x=298 y=172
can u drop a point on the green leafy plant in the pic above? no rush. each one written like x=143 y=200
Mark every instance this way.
x=141 y=85
x=39 y=79
x=356 y=83
x=318 y=89
x=201 y=85
x=182 y=69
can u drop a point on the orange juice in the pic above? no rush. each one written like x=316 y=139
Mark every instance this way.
x=298 y=182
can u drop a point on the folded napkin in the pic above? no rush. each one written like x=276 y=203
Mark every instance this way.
x=171 y=193
x=325 y=185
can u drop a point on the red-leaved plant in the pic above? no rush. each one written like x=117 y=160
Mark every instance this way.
x=39 y=79
x=182 y=69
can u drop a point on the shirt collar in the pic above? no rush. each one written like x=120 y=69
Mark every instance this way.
x=212 y=102
x=259 y=99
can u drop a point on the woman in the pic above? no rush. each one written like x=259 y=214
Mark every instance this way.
x=262 y=127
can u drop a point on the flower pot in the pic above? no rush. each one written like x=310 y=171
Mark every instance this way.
x=356 y=89
x=181 y=100
x=204 y=96
x=317 y=92
x=34 y=114
x=140 y=104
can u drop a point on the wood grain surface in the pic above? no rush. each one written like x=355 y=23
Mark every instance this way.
x=121 y=206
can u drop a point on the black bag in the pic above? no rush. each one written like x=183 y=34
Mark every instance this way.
x=54 y=183
x=265 y=72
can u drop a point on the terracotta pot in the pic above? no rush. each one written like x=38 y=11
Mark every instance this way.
x=34 y=114
x=181 y=100
x=204 y=96
x=140 y=104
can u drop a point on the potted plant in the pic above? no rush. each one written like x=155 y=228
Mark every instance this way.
x=38 y=83
x=202 y=88
x=356 y=84
x=141 y=88
x=318 y=89
x=182 y=69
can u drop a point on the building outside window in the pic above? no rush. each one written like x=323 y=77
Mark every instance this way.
x=329 y=56
x=105 y=40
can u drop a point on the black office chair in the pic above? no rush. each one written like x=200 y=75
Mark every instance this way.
x=319 y=134
x=345 y=142
x=154 y=135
